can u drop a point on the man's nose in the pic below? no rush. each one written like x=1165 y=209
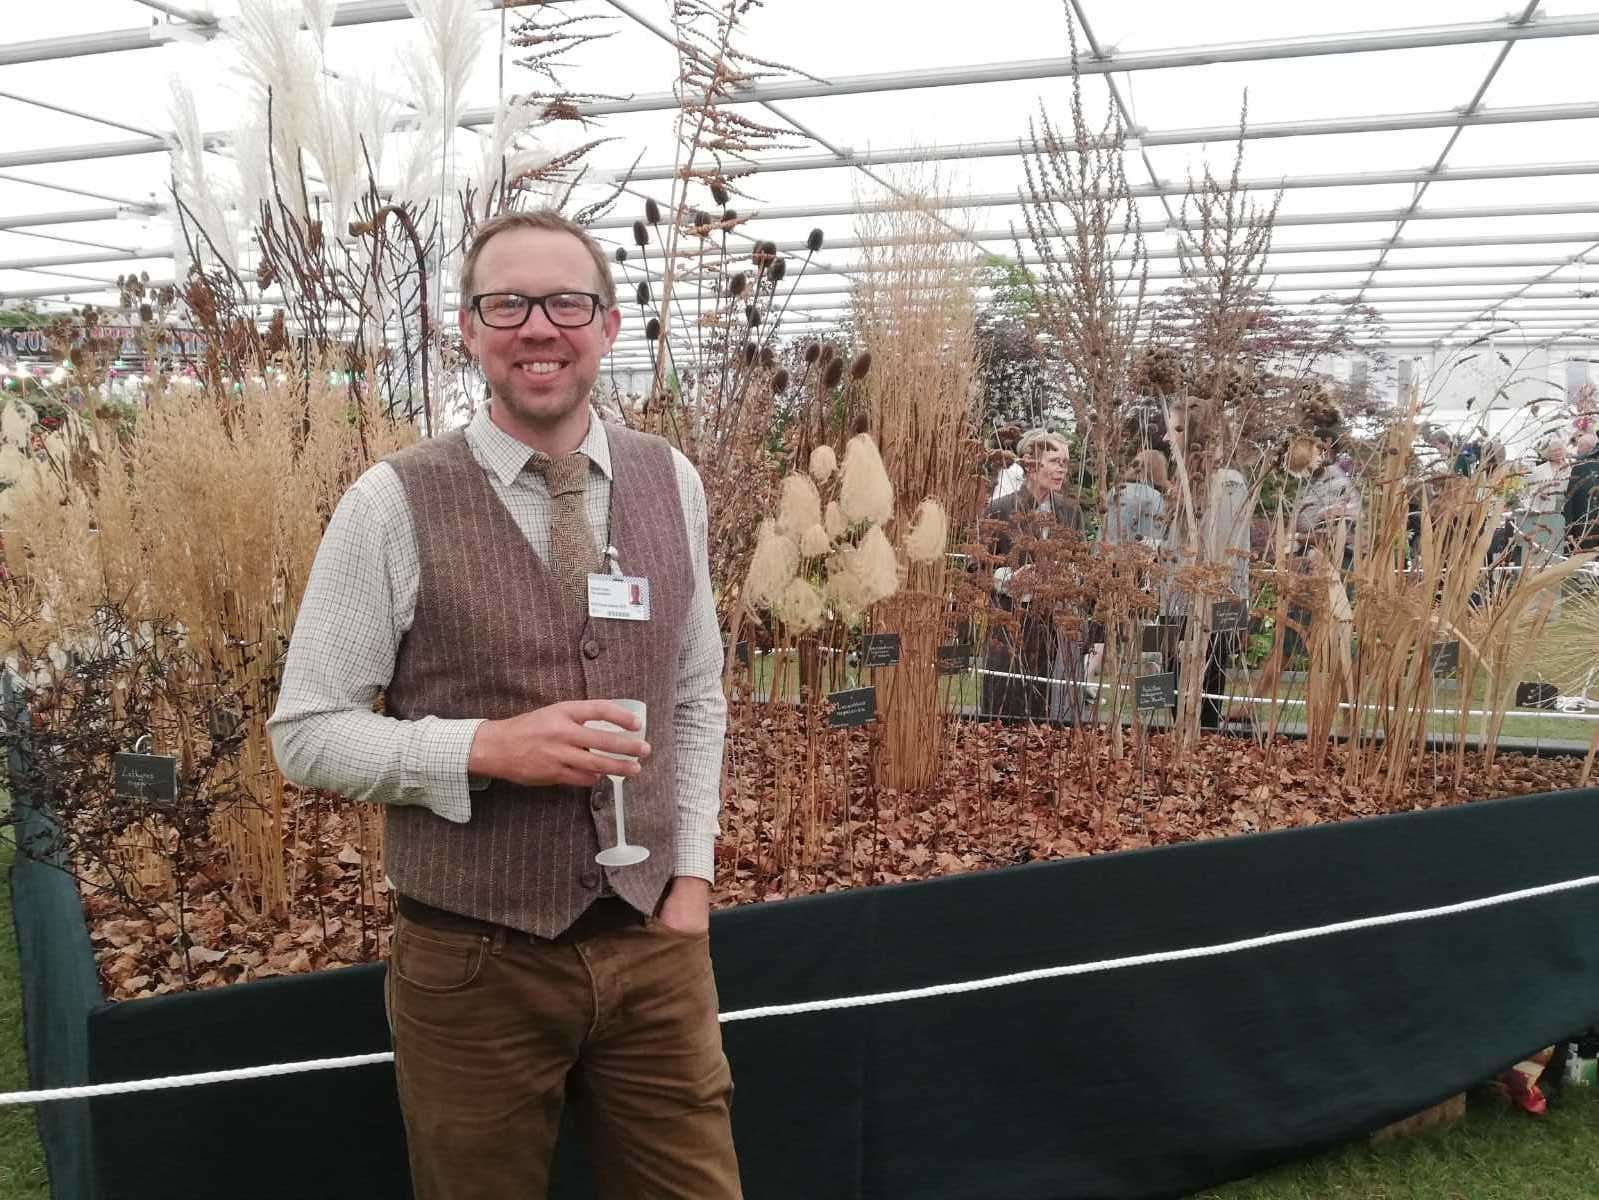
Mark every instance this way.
x=538 y=324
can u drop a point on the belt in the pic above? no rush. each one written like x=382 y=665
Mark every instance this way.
x=606 y=915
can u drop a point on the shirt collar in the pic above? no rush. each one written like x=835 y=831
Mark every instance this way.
x=506 y=457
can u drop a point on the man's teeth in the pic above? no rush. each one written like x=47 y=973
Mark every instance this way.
x=542 y=368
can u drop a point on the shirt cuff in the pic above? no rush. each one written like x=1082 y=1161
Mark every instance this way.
x=435 y=767
x=695 y=852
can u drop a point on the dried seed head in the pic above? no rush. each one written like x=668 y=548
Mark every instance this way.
x=814 y=542
x=864 y=491
x=874 y=566
x=775 y=562
x=929 y=532
x=737 y=284
x=730 y=215
x=768 y=356
x=833 y=374
x=801 y=606
x=652 y=329
x=844 y=591
x=763 y=255
x=861 y=365
x=643 y=293
x=652 y=212
x=834 y=520
x=799 y=505
x=780 y=381
x=621 y=254
x=1303 y=456
x=823 y=463
x=146 y=313
x=752 y=314
x=779 y=269
x=814 y=242
x=702 y=222
x=749 y=353
x=641 y=236
x=719 y=192
x=812 y=353
x=828 y=350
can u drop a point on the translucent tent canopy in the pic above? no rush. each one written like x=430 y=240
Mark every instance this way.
x=1434 y=157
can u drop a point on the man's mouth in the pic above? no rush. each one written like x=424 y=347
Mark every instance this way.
x=541 y=367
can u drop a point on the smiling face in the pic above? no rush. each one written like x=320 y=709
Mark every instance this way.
x=540 y=376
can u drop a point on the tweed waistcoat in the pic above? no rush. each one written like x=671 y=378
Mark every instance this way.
x=492 y=638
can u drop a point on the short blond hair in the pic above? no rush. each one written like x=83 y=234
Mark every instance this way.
x=541 y=218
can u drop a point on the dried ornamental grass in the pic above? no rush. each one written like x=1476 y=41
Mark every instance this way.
x=823 y=463
x=929 y=533
x=775 y=563
x=799 y=506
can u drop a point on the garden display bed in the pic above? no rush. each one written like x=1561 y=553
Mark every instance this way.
x=1009 y=795
x=1138 y=1081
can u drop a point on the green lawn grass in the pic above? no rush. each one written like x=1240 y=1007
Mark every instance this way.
x=1494 y=1153
x=22 y=1175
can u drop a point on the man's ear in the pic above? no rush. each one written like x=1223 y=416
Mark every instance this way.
x=468 y=327
x=613 y=326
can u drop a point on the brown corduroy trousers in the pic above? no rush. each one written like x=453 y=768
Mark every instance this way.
x=492 y=1027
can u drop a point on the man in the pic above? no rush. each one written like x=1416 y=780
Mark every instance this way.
x=1021 y=660
x=1581 y=508
x=475 y=580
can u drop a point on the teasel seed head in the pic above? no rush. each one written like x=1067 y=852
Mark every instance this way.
x=780 y=381
x=763 y=254
x=643 y=293
x=621 y=254
x=652 y=212
x=752 y=314
x=750 y=350
x=814 y=242
x=828 y=350
x=834 y=373
x=768 y=356
x=641 y=236
x=812 y=353
x=652 y=329
x=730 y=216
x=702 y=222
x=862 y=364
x=719 y=192
x=779 y=269
x=737 y=284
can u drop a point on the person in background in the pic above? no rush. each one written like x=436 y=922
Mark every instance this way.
x=1328 y=508
x=1581 y=509
x=1224 y=541
x=1010 y=476
x=1136 y=510
x=1021 y=661
x=1543 y=523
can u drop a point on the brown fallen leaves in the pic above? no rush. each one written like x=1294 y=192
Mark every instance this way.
x=1009 y=794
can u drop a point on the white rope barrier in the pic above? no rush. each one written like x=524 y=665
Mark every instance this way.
x=866 y=1000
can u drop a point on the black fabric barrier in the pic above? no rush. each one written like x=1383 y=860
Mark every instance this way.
x=59 y=990
x=1149 y=1081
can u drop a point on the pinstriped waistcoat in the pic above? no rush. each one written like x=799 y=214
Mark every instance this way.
x=492 y=638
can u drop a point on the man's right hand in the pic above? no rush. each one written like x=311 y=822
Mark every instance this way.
x=550 y=746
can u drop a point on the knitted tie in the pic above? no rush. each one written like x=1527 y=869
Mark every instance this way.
x=571 y=544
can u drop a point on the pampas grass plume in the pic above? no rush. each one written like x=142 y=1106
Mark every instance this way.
x=814 y=542
x=865 y=493
x=775 y=563
x=801 y=606
x=799 y=506
x=834 y=520
x=823 y=463
x=929 y=532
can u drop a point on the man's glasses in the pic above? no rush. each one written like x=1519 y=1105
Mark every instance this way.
x=510 y=310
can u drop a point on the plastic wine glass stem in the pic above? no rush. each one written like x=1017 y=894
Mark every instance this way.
x=616 y=795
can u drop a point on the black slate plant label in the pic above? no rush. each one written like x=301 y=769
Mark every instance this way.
x=955 y=658
x=880 y=650
x=148 y=777
x=741 y=654
x=1445 y=658
x=1155 y=691
x=1229 y=616
x=1161 y=637
x=853 y=707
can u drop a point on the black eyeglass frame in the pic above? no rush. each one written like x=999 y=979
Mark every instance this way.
x=539 y=302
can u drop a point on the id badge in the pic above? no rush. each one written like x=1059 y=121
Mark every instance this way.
x=619 y=597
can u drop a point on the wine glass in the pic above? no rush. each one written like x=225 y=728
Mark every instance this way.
x=622 y=854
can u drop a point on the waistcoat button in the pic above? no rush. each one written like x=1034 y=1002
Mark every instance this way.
x=591 y=648
x=589 y=879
